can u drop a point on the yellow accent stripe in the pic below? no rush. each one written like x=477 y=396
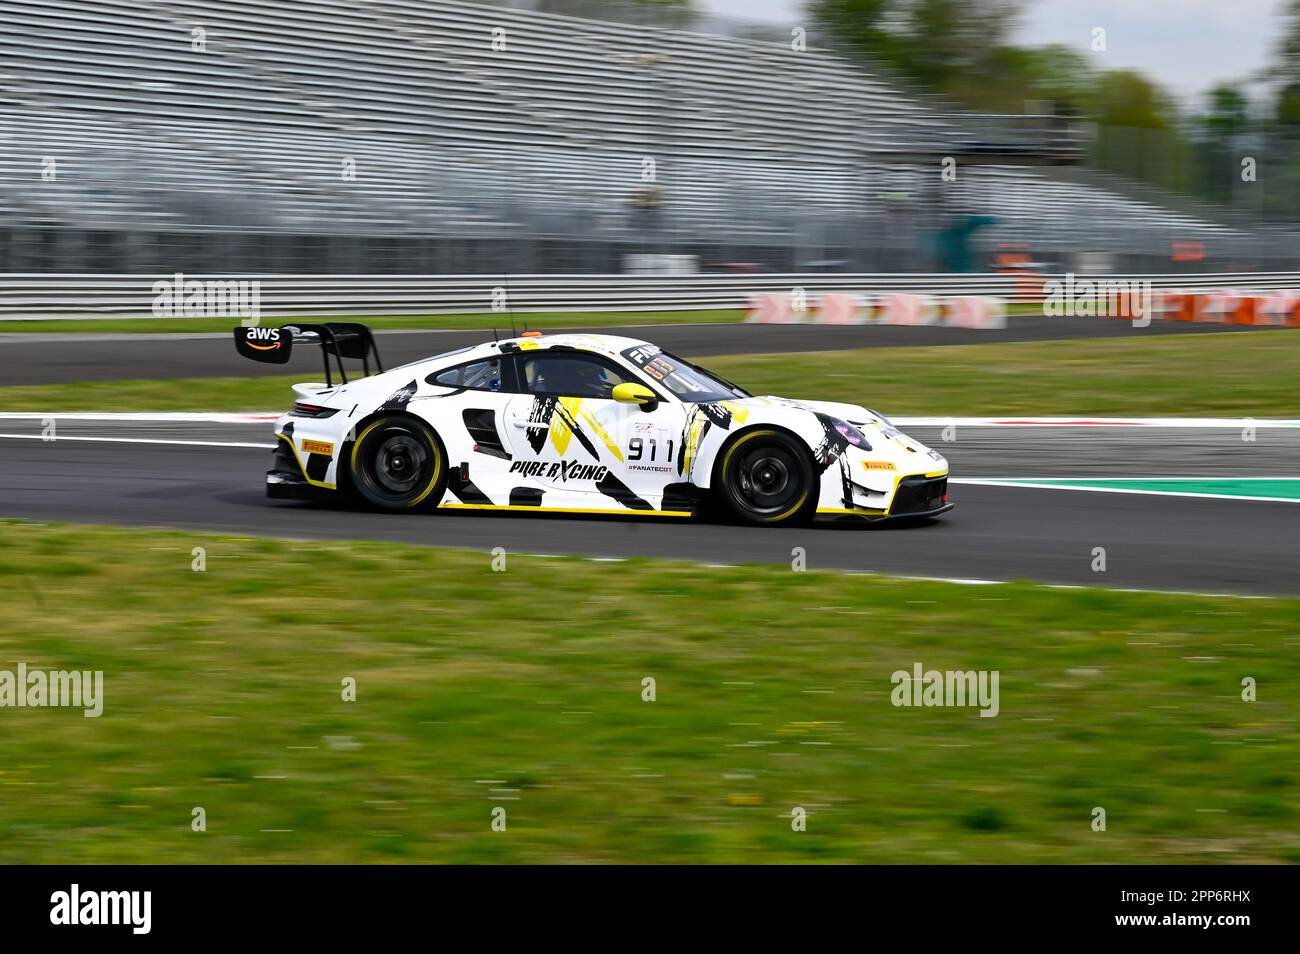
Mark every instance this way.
x=601 y=432
x=864 y=511
x=525 y=509
x=561 y=431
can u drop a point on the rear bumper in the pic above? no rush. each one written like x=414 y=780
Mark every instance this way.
x=285 y=480
x=282 y=486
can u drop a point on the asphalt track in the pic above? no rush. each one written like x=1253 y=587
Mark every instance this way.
x=996 y=533
x=40 y=358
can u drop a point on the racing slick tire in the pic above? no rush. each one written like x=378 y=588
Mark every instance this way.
x=398 y=464
x=766 y=477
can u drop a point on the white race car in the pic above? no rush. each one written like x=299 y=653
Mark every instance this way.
x=582 y=423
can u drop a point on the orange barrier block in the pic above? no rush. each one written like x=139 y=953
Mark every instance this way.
x=1213 y=306
x=1279 y=308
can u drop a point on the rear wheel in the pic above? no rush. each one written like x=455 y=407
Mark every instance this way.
x=398 y=464
x=766 y=477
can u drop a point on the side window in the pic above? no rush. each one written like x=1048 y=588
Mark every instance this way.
x=487 y=375
x=571 y=374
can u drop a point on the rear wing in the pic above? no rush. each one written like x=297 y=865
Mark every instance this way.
x=337 y=339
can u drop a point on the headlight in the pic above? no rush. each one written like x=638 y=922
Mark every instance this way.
x=850 y=433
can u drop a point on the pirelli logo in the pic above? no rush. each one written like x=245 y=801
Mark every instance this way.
x=317 y=447
x=877 y=465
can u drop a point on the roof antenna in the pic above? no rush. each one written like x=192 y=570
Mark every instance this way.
x=509 y=307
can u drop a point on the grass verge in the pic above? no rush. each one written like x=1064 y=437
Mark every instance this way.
x=523 y=690
x=1212 y=374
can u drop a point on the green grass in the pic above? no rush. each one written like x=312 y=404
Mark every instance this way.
x=1211 y=374
x=485 y=320
x=1226 y=374
x=523 y=689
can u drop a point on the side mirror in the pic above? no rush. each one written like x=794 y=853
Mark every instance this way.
x=636 y=394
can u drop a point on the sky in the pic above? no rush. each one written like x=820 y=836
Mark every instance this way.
x=1185 y=45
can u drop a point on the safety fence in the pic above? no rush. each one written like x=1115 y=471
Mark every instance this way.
x=57 y=296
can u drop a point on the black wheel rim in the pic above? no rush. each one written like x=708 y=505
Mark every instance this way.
x=767 y=480
x=397 y=465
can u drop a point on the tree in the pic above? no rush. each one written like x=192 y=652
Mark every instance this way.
x=937 y=43
x=1227 y=115
x=1287 y=70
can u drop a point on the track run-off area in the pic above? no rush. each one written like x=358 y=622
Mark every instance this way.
x=1186 y=505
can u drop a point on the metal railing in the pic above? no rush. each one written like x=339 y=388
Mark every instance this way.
x=43 y=296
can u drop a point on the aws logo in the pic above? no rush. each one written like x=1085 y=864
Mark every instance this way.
x=269 y=338
x=270 y=345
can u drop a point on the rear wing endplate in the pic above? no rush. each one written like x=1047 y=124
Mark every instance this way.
x=337 y=339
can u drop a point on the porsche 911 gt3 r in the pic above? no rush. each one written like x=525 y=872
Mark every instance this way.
x=582 y=423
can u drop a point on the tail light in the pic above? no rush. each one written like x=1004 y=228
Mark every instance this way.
x=301 y=409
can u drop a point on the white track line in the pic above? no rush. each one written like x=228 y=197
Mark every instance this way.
x=1031 y=485
x=145 y=417
x=1083 y=421
x=133 y=440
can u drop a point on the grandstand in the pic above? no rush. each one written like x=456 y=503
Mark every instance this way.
x=207 y=135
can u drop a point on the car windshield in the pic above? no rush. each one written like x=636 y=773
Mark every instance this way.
x=688 y=382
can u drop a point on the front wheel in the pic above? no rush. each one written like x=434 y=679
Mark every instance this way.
x=398 y=464
x=766 y=477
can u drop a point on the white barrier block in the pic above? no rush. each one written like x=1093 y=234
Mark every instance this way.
x=1281 y=307
x=840 y=309
x=975 y=311
x=771 y=308
x=899 y=308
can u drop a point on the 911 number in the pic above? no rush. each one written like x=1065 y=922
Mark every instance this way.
x=636 y=449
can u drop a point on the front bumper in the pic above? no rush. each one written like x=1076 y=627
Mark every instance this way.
x=913 y=496
x=919 y=495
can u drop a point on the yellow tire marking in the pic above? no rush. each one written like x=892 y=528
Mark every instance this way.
x=803 y=498
x=437 y=459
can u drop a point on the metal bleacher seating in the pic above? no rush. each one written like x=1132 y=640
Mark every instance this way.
x=455 y=129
